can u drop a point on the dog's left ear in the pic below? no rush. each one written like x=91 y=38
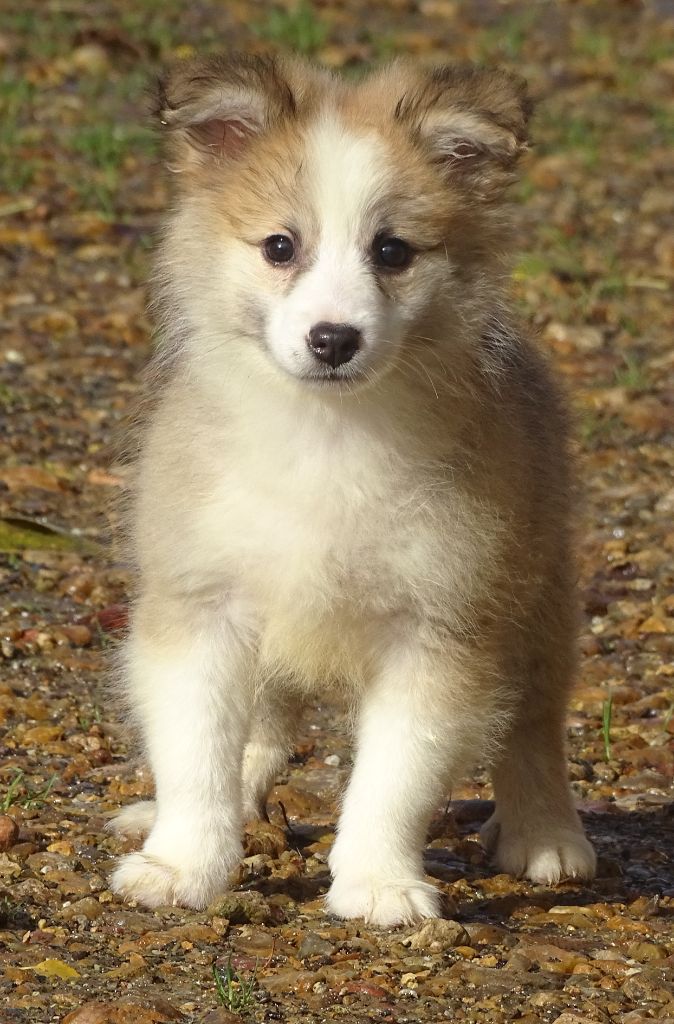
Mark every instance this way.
x=472 y=121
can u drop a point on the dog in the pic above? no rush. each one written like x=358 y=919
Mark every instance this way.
x=352 y=481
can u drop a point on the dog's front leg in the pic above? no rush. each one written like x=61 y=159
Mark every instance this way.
x=413 y=737
x=189 y=685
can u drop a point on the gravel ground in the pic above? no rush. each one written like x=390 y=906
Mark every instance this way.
x=77 y=211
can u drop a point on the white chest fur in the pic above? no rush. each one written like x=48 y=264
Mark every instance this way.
x=331 y=524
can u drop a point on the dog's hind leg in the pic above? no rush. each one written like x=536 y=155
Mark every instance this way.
x=134 y=819
x=274 y=724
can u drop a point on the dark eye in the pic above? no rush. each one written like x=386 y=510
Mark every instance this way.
x=279 y=248
x=392 y=253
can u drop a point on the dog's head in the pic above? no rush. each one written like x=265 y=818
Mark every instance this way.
x=329 y=224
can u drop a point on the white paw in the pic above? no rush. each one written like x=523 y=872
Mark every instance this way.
x=546 y=854
x=384 y=903
x=145 y=879
x=134 y=819
x=155 y=882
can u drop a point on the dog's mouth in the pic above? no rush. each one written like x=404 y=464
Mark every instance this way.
x=333 y=378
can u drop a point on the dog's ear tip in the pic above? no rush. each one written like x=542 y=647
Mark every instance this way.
x=159 y=105
x=498 y=91
x=521 y=96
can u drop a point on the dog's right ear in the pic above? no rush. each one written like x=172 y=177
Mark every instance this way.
x=211 y=108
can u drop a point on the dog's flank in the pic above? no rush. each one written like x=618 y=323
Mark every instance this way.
x=353 y=478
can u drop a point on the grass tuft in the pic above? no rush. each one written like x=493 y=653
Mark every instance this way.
x=299 y=28
x=632 y=375
x=508 y=37
x=234 y=991
x=20 y=793
x=606 y=716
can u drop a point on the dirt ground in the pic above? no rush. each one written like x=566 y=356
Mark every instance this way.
x=81 y=190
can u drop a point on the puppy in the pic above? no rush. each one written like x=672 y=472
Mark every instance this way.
x=353 y=481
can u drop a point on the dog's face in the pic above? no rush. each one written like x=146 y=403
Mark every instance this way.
x=331 y=225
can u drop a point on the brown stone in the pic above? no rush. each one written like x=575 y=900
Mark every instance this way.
x=221 y=1016
x=261 y=837
x=9 y=832
x=437 y=935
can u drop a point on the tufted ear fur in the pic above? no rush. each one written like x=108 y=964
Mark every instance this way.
x=211 y=108
x=472 y=121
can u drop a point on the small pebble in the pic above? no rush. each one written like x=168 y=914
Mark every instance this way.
x=9 y=832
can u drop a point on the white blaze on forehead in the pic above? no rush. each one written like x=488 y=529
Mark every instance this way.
x=345 y=173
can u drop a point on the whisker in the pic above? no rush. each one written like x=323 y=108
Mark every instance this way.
x=430 y=379
x=416 y=367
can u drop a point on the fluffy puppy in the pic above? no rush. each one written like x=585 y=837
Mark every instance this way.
x=352 y=481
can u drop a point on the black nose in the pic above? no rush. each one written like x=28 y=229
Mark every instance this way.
x=334 y=343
